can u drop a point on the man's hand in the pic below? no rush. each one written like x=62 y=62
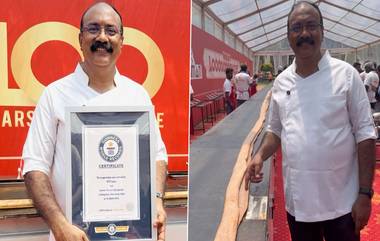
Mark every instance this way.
x=361 y=210
x=160 y=222
x=39 y=188
x=253 y=172
x=69 y=232
x=268 y=147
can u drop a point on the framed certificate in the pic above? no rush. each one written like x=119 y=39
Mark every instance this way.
x=111 y=172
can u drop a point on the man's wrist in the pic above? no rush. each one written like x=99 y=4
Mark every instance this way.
x=59 y=226
x=366 y=191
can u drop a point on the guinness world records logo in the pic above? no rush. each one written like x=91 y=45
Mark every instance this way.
x=111 y=229
x=110 y=148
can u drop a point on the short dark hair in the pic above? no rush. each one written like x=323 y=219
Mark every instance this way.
x=229 y=70
x=315 y=6
x=84 y=13
x=356 y=64
x=243 y=67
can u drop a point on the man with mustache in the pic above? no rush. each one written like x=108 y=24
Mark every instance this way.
x=95 y=81
x=320 y=115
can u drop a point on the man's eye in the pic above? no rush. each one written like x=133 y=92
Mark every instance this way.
x=93 y=29
x=111 y=31
x=311 y=26
x=296 y=28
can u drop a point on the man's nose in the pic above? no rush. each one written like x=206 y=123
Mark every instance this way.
x=304 y=31
x=102 y=36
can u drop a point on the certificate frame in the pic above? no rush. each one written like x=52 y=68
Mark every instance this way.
x=119 y=118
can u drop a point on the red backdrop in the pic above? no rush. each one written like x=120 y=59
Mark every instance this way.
x=166 y=25
x=214 y=56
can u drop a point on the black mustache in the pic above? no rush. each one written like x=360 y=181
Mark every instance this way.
x=104 y=45
x=307 y=40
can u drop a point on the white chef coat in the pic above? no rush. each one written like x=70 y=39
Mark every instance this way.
x=44 y=149
x=320 y=119
x=242 y=85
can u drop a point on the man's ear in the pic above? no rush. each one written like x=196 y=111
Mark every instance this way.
x=323 y=32
x=80 y=38
x=122 y=41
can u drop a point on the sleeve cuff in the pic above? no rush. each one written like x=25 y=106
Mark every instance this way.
x=30 y=165
x=276 y=132
x=367 y=133
x=162 y=157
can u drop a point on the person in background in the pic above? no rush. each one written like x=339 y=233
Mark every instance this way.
x=242 y=85
x=371 y=83
x=227 y=90
x=366 y=71
x=320 y=116
x=358 y=67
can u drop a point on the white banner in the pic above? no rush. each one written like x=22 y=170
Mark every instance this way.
x=216 y=63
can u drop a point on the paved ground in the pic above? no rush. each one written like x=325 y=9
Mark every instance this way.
x=212 y=157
